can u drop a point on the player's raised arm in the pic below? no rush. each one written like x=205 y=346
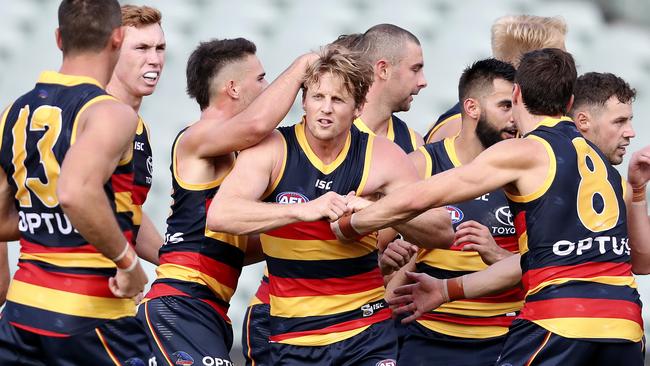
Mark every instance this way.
x=637 y=210
x=251 y=125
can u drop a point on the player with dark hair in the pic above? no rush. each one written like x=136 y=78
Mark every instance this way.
x=185 y=312
x=70 y=299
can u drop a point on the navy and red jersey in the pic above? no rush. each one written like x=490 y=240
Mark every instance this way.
x=321 y=290
x=398 y=132
x=573 y=239
x=194 y=261
x=132 y=180
x=484 y=317
x=453 y=112
x=61 y=285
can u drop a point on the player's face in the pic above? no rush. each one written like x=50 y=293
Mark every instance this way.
x=612 y=129
x=253 y=80
x=329 y=108
x=141 y=59
x=408 y=78
x=495 y=122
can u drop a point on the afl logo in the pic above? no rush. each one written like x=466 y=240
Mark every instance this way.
x=387 y=362
x=504 y=216
x=291 y=197
x=455 y=213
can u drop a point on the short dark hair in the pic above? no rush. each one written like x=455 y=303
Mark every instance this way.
x=546 y=78
x=208 y=59
x=594 y=89
x=479 y=77
x=354 y=70
x=86 y=25
x=348 y=41
x=385 y=41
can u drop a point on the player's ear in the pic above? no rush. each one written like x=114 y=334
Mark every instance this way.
x=570 y=104
x=472 y=108
x=232 y=89
x=382 y=69
x=358 y=110
x=117 y=37
x=516 y=94
x=57 y=36
x=582 y=120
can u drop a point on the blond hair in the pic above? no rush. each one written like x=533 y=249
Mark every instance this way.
x=354 y=70
x=140 y=16
x=514 y=35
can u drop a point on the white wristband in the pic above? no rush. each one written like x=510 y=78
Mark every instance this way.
x=121 y=255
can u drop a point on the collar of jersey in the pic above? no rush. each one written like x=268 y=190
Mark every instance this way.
x=313 y=158
x=363 y=127
x=53 y=77
x=551 y=122
x=451 y=151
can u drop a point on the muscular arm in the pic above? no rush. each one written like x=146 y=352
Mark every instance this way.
x=638 y=222
x=450 y=128
x=8 y=213
x=106 y=132
x=207 y=140
x=492 y=169
x=236 y=207
x=392 y=170
x=148 y=241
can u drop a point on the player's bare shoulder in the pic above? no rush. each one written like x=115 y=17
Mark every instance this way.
x=112 y=114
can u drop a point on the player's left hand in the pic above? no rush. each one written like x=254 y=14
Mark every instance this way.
x=480 y=240
x=638 y=171
x=426 y=293
x=356 y=203
x=396 y=255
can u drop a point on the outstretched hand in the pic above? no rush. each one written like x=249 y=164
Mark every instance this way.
x=426 y=293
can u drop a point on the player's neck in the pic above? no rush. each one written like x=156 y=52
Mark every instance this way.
x=96 y=66
x=376 y=114
x=467 y=144
x=220 y=110
x=528 y=122
x=326 y=150
x=117 y=89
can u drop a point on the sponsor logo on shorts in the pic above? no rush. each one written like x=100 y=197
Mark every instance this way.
x=291 y=197
x=455 y=213
x=182 y=358
x=386 y=362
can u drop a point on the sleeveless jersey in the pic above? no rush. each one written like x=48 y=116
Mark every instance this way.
x=194 y=261
x=61 y=285
x=398 y=132
x=132 y=180
x=453 y=112
x=321 y=290
x=573 y=240
x=484 y=317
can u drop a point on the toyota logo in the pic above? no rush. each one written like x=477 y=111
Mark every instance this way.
x=504 y=216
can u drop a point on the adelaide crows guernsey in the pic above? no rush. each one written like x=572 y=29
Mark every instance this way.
x=573 y=239
x=484 y=317
x=398 y=132
x=61 y=285
x=321 y=290
x=132 y=180
x=453 y=112
x=194 y=261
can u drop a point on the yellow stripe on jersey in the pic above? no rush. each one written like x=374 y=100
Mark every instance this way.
x=194 y=186
x=452 y=260
x=124 y=203
x=69 y=303
x=464 y=330
x=237 y=241
x=390 y=134
x=444 y=122
x=480 y=309
x=523 y=243
x=178 y=272
x=323 y=339
x=3 y=119
x=53 y=77
x=550 y=176
x=277 y=180
x=313 y=158
x=593 y=328
x=81 y=260
x=552 y=122
x=366 y=165
x=451 y=151
x=606 y=280
x=315 y=249
x=427 y=162
x=301 y=306
x=623 y=182
x=414 y=139
x=75 y=124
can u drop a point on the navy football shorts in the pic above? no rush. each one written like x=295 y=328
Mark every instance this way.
x=255 y=335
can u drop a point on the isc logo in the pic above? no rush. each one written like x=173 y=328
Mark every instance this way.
x=290 y=197
x=455 y=213
x=323 y=184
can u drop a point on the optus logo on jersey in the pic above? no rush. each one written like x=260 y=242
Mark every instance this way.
x=455 y=213
x=290 y=197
